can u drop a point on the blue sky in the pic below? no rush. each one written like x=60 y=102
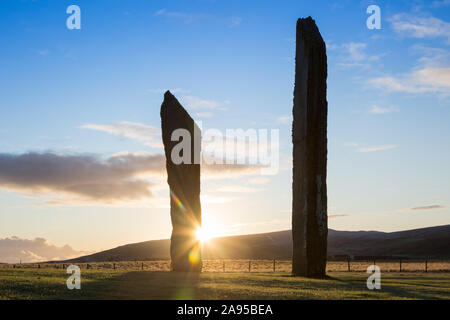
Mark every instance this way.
x=96 y=93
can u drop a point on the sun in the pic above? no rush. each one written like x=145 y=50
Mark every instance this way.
x=203 y=235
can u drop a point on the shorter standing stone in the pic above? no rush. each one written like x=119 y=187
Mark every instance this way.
x=184 y=183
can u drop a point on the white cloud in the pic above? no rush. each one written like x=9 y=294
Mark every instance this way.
x=420 y=26
x=188 y=18
x=15 y=249
x=351 y=144
x=235 y=21
x=148 y=135
x=204 y=115
x=425 y=80
x=434 y=77
x=43 y=52
x=377 y=148
x=440 y=3
x=329 y=44
x=284 y=119
x=182 y=16
x=356 y=51
x=160 y=12
x=431 y=75
x=198 y=103
x=381 y=110
x=355 y=55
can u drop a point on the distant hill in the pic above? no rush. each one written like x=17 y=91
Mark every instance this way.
x=433 y=242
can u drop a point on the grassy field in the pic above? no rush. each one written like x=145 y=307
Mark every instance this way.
x=121 y=284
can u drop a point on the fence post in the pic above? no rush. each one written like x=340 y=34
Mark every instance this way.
x=223 y=268
x=426 y=265
x=348 y=265
x=142 y=266
x=274 y=265
x=249 y=265
x=400 y=265
x=114 y=266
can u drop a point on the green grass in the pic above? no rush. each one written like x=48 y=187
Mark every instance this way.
x=110 y=284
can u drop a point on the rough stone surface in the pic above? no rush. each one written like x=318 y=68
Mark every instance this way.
x=184 y=183
x=309 y=137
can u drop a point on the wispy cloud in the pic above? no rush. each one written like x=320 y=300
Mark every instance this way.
x=356 y=51
x=355 y=54
x=377 y=148
x=235 y=21
x=440 y=3
x=369 y=149
x=426 y=80
x=43 y=52
x=431 y=74
x=351 y=144
x=430 y=207
x=193 y=102
x=334 y=216
x=284 y=119
x=148 y=135
x=420 y=26
x=204 y=115
x=381 y=110
x=183 y=16
x=188 y=18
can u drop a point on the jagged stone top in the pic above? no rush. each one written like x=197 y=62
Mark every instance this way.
x=173 y=117
x=171 y=104
x=307 y=30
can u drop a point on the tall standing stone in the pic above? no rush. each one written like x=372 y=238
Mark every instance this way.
x=309 y=137
x=184 y=183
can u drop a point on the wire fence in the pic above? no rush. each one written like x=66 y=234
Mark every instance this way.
x=262 y=266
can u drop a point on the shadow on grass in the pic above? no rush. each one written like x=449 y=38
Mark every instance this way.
x=142 y=285
x=151 y=285
x=168 y=285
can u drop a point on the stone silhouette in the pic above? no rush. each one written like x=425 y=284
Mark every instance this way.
x=184 y=183
x=309 y=138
